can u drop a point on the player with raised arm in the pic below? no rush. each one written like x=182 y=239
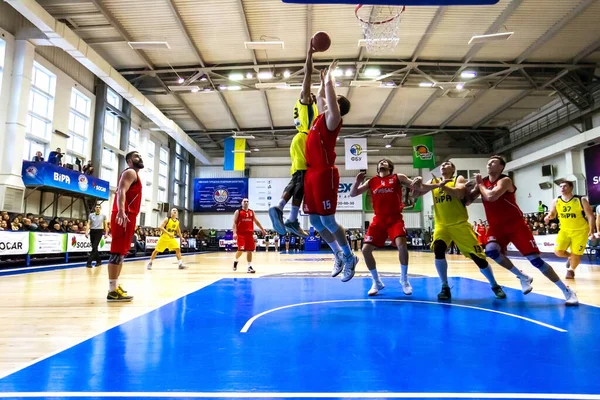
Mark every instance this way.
x=506 y=225
x=452 y=225
x=386 y=195
x=243 y=231
x=305 y=112
x=322 y=176
x=576 y=219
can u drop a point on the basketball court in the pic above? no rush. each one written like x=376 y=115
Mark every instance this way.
x=292 y=331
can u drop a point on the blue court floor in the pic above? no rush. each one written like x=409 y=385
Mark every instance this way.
x=319 y=337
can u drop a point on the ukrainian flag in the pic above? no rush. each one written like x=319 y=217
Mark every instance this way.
x=234 y=161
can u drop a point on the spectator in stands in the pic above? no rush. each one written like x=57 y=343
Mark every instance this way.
x=598 y=220
x=55 y=157
x=77 y=166
x=56 y=228
x=39 y=157
x=3 y=225
x=88 y=169
x=542 y=208
x=43 y=227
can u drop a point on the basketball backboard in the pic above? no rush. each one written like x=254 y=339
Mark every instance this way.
x=400 y=2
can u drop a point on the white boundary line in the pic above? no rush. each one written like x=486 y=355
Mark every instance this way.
x=380 y=395
x=251 y=320
x=93 y=335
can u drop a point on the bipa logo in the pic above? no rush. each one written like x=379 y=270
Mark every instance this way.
x=62 y=178
x=344 y=187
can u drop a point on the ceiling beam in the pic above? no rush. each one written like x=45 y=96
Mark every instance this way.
x=428 y=32
x=494 y=28
x=375 y=62
x=51 y=3
x=108 y=40
x=388 y=100
x=421 y=110
x=198 y=55
x=587 y=51
x=66 y=15
x=309 y=27
x=556 y=28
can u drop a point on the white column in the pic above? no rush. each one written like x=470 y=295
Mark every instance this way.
x=13 y=140
x=575 y=170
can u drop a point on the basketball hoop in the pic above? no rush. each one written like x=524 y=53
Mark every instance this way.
x=380 y=25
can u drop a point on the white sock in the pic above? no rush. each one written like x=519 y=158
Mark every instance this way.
x=281 y=204
x=403 y=273
x=561 y=285
x=180 y=262
x=518 y=272
x=442 y=269
x=112 y=284
x=294 y=213
x=374 y=274
x=249 y=265
x=335 y=247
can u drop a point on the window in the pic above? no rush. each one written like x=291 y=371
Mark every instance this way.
x=176 y=194
x=186 y=180
x=163 y=174
x=31 y=147
x=41 y=103
x=2 y=55
x=110 y=165
x=113 y=98
x=134 y=139
x=112 y=129
x=79 y=117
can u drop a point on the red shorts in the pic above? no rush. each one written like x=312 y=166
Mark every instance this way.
x=321 y=190
x=245 y=241
x=482 y=239
x=516 y=232
x=121 y=236
x=379 y=231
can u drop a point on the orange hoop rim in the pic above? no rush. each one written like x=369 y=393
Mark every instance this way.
x=359 y=6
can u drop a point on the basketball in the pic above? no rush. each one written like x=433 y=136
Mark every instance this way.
x=320 y=41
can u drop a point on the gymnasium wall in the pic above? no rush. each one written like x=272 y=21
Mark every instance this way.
x=348 y=219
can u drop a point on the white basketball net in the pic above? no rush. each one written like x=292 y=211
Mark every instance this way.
x=380 y=25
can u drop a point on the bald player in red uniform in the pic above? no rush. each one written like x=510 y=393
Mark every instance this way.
x=243 y=231
x=506 y=225
x=126 y=208
x=322 y=177
x=386 y=195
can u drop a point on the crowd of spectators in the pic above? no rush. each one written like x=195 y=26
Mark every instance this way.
x=56 y=157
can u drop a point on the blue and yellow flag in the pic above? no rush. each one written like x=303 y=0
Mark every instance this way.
x=234 y=161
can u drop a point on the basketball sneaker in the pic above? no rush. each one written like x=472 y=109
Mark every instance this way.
x=349 y=267
x=445 y=293
x=121 y=290
x=294 y=227
x=118 y=297
x=526 y=282
x=181 y=266
x=571 y=297
x=251 y=270
x=338 y=264
x=276 y=216
x=499 y=292
x=377 y=286
x=406 y=287
x=570 y=274
x=149 y=265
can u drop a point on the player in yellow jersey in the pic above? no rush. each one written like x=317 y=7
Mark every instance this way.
x=576 y=226
x=169 y=228
x=452 y=225
x=305 y=112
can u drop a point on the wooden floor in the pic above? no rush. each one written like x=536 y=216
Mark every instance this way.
x=46 y=312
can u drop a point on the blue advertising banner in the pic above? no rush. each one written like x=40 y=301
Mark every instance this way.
x=53 y=176
x=219 y=195
x=592 y=173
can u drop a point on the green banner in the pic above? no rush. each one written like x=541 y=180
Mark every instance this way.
x=423 y=152
x=47 y=243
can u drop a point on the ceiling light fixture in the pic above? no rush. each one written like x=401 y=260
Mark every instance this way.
x=151 y=45
x=468 y=74
x=235 y=136
x=286 y=74
x=265 y=75
x=425 y=84
x=394 y=135
x=274 y=45
x=372 y=72
x=236 y=76
x=494 y=37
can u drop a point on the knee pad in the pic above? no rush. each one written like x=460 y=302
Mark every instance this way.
x=492 y=250
x=315 y=220
x=330 y=223
x=439 y=249
x=481 y=263
x=116 y=259
x=536 y=261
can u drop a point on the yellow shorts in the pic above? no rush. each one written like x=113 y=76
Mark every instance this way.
x=165 y=242
x=462 y=235
x=576 y=240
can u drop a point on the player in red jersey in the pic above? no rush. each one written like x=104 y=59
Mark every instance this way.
x=506 y=225
x=481 y=233
x=322 y=177
x=386 y=194
x=126 y=208
x=243 y=231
